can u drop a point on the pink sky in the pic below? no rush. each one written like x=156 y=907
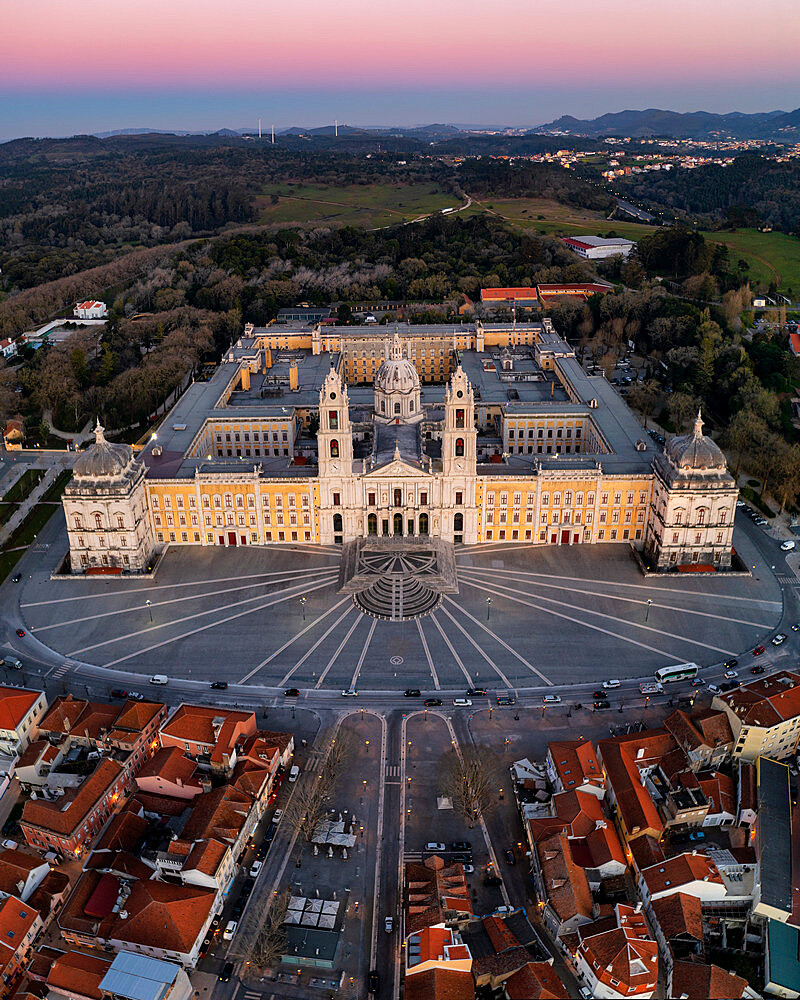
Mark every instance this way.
x=409 y=44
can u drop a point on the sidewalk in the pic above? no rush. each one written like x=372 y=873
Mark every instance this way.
x=28 y=504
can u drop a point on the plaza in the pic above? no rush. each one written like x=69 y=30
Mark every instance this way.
x=522 y=617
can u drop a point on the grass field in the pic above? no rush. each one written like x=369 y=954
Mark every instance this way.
x=56 y=489
x=37 y=518
x=24 y=485
x=772 y=256
x=370 y=205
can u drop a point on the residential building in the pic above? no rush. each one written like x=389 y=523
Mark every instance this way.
x=619 y=962
x=209 y=734
x=21 y=874
x=565 y=897
x=534 y=981
x=704 y=736
x=692 y=873
x=170 y=771
x=764 y=715
x=20 y=925
x=139 y=977
x=437 y=947
x=627 y=761
x=572 y=765
x=699 y=981
x=90 y=309
x=773 y=892
x=74 y=975
x=501 y=945
x=434 y=892
x=20 y=711
x=677 y=923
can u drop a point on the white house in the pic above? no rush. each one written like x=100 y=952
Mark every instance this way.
x=90 y=309
x=20 y=711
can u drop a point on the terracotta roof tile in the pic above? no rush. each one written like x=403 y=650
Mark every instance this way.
x=679 y=915
x=767 y=701
x=75 y=972
x=195 y=723
x=699 y=981
x=719 y=790
x=170 y=764
x=439 y=984
x=535 y=981
x=15 y=704
x=66 y=814
x=16 y=919
x=565 y=882
x=683 y=869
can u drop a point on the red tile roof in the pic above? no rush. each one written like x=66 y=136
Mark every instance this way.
x=679 y=915
x=427 y=886
x=698 y=981
x=38 y=752
x=535 y=981
x=170 y=764
x=565 y=883
x=683 y=869
x=622 y=756
x=195 y=723
x=439 y=984
x=627 y=953
x=767 y=701
x=576 y=763
x=505 y=294
x=66 y=814
x=16 y=919
x=719 y=790
x=15 y=868
x=206 y=857
x=74 y=972
x=15 y=704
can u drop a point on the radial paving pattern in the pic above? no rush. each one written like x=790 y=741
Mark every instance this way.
x=520 y=617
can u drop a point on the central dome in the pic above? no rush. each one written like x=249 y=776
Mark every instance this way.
x=397 y=391
x=104 y=459
x=695 y=450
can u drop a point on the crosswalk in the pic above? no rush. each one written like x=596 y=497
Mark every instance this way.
x=393 y=771
x=787 y=581
x=60 y=671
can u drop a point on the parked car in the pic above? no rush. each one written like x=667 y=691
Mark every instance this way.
x=460 y=845
x=492 y=880
x=412 y=692
x=433 y=702
x=9 y=845
x=119 y=693
x=135 y=696
x=468 y=869
x=230 y=930
x=509 y=856
x=788 y=546
x=294 y=773
x=277 y=816
x=373 y=981
x=434 y=845
x=505 y=700
x=730 y=675
x=551 y=699
x=610 y=685
x=350 y=693
x=388 y=925
x=159 y=679
x=601 y=705
x=504 y=909
x=219 y=686
x=476 y=692
x=255 y=868
x=715 y=689
x=227 y=972
x=462 y=702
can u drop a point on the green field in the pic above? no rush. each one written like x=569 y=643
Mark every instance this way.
x=771 y=256
x=24 y=485
x=370 y=205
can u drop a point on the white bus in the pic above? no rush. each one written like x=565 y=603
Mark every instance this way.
x=678 y=672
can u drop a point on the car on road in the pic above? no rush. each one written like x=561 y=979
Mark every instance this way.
x=757 y=669
x=599 y=694
x=796 y=627
x=759 y=650
x=600 y=705
x=461 y=859
x=277 y=816
x=730 y=664
x=476 y=692
x=433 y=702
x=219 y=686
x=715 y=689
x=508 y=854
x=119 y=693
x=226 y=973
x=16 y=577
x=779 y=639
x=729 y=685
x=760 y=521
x=135 y=696
x=294 y=773
x=492 y=880
x=551 y=699
x=291 y=693
x=788 y=546
x=373 y=981
x=610 y=685
x=504 y=909
x=388 y=925
x=230 y=930
x=20 y=632
x=9 y=845
x=468 y=869
x=740 y=503
x=434 y=845
x=462 y=702
x=350 y=693
x=255 y=868
x=730 y=675
x=159 y=679
x=412 y=693
x=263 y=848
x=460 y=845
x=506 y=700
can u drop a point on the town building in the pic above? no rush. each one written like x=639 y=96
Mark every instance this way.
x=434 y=892
x=327 y=434
x=764 y=716
x=21 y=874
x=139 y=977
x=598 y=247
x=20 y=711
x=621 y=961
x=90 y=309
x=20 y=925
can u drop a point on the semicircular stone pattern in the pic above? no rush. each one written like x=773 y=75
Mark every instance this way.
x=396 y=580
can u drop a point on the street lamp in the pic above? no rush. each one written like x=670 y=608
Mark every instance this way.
x=303 y=606
x=488 y=608
x=147 y=603
x=647 y=611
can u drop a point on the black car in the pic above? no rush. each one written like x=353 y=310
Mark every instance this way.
x=757 y=669
x=509 y=856
x=476 y=692
x=600 y=695
x=412 y=692
x=729 y=685
x=291 y=693
x=505 y=699
x=461 y=845
x=602 y=705
x=16 y=577
x=432 y=702
x=373 y=981
x=730 y=664
x=462 y=859
x=219 y=686
x=119 y=693
x=492 y=880
x=227 y=972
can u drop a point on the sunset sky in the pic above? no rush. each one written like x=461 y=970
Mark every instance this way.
x=93 y=65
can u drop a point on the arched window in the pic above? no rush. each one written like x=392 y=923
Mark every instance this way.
x=239 y=500
x=98 y=521
x=459 y=418
x=337 y=524
x=372 y=524
x=423 y=524
x=217 y=501
x=120 y=521
x=398 y=498
x=78 y=522
x=229 y=500
x=459 y=447
x=396 y=407
x=333 y=420
x=398 y=524
x=334 y=448
x=701 y=516
x=458 y=522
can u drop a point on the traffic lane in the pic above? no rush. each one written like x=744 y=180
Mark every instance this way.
x=388 y=943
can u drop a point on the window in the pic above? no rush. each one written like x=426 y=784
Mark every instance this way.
x=337 y=500
x=459 y=498
x=398 y=498
x=423 y=524
x=334 y=448
x=333 y=420
x=337 y=524
x=370 y=499
x=459 y=447
x=604 y=498
x=701 y=516
x=460 y=420
x=423 y=498
x=372 y=524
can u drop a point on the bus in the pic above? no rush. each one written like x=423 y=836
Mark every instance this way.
x=678 y=672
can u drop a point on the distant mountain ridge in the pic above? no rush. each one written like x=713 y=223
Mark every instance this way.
x=779 y=126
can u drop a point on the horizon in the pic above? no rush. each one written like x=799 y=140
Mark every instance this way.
x=369 y=66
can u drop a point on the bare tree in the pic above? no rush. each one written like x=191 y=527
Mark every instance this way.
x=469 y=777
x=645 y=398
x=308 y=804
x=268 y=943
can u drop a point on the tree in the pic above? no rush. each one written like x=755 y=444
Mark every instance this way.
x=682 y=409
x=645 y=397
x=787 y=474
x=308 y=804
x=469 y=778
x=268 y=943
x=744 y=433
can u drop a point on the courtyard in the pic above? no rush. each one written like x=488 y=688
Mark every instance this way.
x=522 y=617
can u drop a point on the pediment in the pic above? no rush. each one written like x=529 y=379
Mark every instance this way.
x=397 y=470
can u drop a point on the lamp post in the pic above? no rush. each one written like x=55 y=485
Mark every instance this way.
x=147 y=603
x=649 y=605
x=488 y=608
x=303 y=606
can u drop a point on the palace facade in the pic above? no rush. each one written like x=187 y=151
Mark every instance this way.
x=482 y=433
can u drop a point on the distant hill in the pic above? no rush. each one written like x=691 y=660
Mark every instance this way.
x=778 y=126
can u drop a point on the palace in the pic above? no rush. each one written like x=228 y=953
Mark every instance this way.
x=326 y=435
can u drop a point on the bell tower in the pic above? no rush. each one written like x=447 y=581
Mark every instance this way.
x=335 y=436
x=459 y=472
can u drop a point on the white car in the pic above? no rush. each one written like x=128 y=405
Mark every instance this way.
x=388 y=925
x=731 y=675
x=609 y=685
x=715 y=689
x=230 y=930
x=462 y=702
x=434 y=845
x=468 y=869
x=350 y=693
x=277 y=816
x=255 y=868
x=788 y=546
x=778 y=639
x=294 y=773
x=9 y=845
x=551 y=699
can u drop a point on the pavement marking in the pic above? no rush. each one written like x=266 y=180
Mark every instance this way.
x=363 y=655
x=449 y=644
x=178 y=600
x=428 y=654
x=196 y=631
x=631 y=600
x=577 y=621
x=393 y=771
x=339 y=648
x=294 y=638
x=599 y=614
x=287 y=676
x=479 y=648
x=618 y=583
x=286 y=574
x=502 y=642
